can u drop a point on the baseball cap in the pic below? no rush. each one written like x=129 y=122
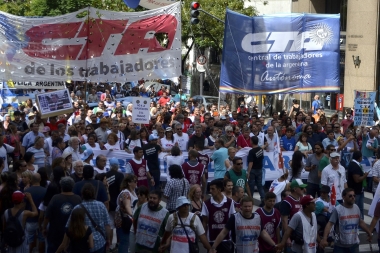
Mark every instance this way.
x=6 y=115
x=181 y=201
x=46 y=129
x=325 y=188
x=307 y=199
x=297 y=183
x=18 y=197
x=153 y=137
x=168 y=129
x=114 y=161
x=87 y=153
x=31 y=114
x=334 y=154
x=99 y=110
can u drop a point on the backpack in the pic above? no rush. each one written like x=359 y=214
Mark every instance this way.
x=14 y=234
x=175 y=221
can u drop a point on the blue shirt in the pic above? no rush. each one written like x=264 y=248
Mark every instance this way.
x=99 y=214
x=327 y=141
x=29 y=139
x=219 y=156
x=39 y=156
x=288 y=144
x=316 y=104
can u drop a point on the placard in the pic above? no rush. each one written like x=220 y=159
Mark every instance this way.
x=364 y=108
x=54 y=103
x=141 y=110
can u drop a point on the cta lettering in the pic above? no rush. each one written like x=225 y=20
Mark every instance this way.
x=137 y=36
x=279 y=42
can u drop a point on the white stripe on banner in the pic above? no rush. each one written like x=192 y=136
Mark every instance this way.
x=272 y=171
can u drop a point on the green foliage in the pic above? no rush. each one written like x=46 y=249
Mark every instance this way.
x=209 y=32
x=59 y=7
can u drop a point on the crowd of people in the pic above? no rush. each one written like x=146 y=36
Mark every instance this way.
x=57 y=195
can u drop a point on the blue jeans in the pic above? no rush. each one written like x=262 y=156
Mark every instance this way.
x=359 y=201
x=255 y=178
x=352 y=249
x=123 y=240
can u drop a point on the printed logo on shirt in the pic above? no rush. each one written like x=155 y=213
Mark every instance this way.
x=141 y=171
x=269 y=227
x=218 y=216
x=147 y=228
x=66 y=208
x=240 y=182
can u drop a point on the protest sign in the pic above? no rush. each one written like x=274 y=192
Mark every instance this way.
x=54 y=103
x=280 y=53
x=364 y=102
x=91 y=45
x=141 y=110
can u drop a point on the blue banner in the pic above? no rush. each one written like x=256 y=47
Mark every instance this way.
x=280 y=53
x=364 y=108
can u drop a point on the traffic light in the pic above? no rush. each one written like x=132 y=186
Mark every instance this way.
x=194 y=13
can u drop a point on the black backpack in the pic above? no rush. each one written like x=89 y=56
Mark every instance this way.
x=14 y=234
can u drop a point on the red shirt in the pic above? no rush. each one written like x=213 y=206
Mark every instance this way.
x=163 y=101
x=54 y=127
x=242 y=142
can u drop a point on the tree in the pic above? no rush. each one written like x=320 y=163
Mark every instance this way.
x=209 y=32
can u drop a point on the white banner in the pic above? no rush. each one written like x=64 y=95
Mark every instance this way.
x=101 y=46
x=140 y=110
x=37 y=85
x=272 y=171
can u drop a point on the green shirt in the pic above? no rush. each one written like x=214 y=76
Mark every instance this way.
x=323 y=163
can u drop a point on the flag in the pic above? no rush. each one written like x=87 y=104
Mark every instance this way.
x=333 y=195
x=277 y=153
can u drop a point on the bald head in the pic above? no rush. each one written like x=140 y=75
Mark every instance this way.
x=36 y=178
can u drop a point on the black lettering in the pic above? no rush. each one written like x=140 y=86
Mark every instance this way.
x=128 y=68
x=139 y=65
x=114 y=69
x=94 y=71
x=149 y=65
x=41 y=70
x=29 y=69
x=104 y=69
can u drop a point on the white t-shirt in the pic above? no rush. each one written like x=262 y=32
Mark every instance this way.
x=121 y=137
x=132 y=144
x=170 y=160
x=113 y=147
x=4 y=150
x=332 y=177
x=166 y=144
x=182 y=141
x=97 y=147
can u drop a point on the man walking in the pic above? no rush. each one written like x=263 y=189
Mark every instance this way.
x=334 y=176
x=357 y=180
x=238 y=175
x=149 y=222
x=313 y=181
x=219 y=156
x=271 y=220
x=139 y=166
x=255 y=167
x=215 y=213
x=246 y=228
x=151 y=152
x=194 y=170
x=304 y=225
x=347 y=218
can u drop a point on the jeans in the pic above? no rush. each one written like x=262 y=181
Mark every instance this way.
x=352 y=249
x=359 y=201
x=255 y=178
x=369 y=184
x=132 y=240
x=123 y=240
x=157 y=179
x=312 y=189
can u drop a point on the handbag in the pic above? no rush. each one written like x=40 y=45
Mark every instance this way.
x=94 y=224
x=193 y=246
x=126 y=222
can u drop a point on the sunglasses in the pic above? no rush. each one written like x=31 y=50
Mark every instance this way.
x=239 y=164
x=88 y=129
x=179 y=129
x=351 y=196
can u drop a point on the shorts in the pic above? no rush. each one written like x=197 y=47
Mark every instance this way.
x=111 y=214
x=32 y=229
